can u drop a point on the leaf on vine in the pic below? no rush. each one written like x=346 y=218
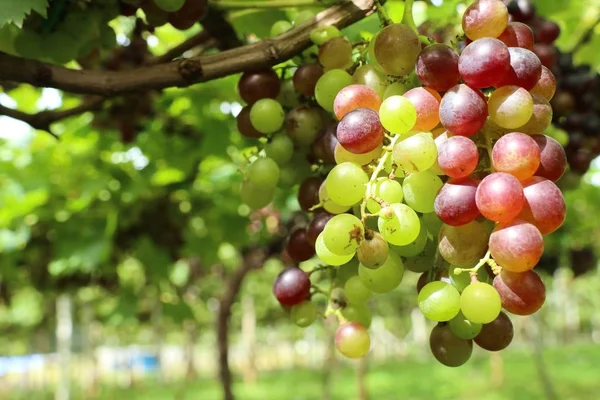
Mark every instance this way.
x=16 y=11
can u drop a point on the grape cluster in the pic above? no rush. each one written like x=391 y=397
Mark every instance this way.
x=437 y=165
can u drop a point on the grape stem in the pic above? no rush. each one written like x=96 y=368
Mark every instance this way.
x=384 y=18
x=407 y=16
x=374 y=175
x=320 y=268
x=485 y=260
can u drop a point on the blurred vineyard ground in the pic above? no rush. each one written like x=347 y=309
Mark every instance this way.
x=573 y=372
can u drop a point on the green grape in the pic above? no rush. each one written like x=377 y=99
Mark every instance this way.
x=385 y=278
x=432 y=223
x=329 y=205
x=395 y=48
x=396 y=89
x=323 y=34
x=370 y=77
x=342 y=155
x=373 y=251
x=439 y=301
x=463 y=279
x=398 y=224
x=336 y=53
x=267 y=116
x=280 y=27
x=414 y=248
x=343 y=234
x=352 y=340
x=280 y=148
x=397 y=114
x=255 y=197
x=304 y=314
x=288 y=97
x=416 y=153
x=304 y=16
x=346 y=271
x=169 y=5
x=463 y=328
x=424 y=260
x=387 y=190
x=358 y=313
x=303 y=124
x=480 y=303
x=420 y=190
x=356 y=292
x=329 y=85
x=346 y=183
x=263 y=173
x=28 y=44
x=327 y=256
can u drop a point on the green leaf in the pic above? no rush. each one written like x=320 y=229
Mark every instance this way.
x=15 y=11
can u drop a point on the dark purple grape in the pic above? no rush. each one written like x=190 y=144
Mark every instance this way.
x=449 y=349
x=437 y=67
x=496 y=335
x=299 y=247
x=292 y=286
x=306 y=77
x=547 y=32
x=308 y=193
x=256 y=85
x=244 y=125
x=324 y=146
x=317 y=225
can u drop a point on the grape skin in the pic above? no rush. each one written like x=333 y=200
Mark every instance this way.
x=480 y=303
x=496 y=335
x=521 y=293
x=356 y=292
x=500 y=197
x=484 y=62
x=457 y=156
x=544 y=205
x=416 y=153
x=546 y=85
x=525 y=69
x=346 y=184
x=368 y=75
x=449 y=349
x=352 y=340
x=541 y=117
x=336 y=53
x=291 y=286
x=463 y=328
x=455 y=203
x=343 y=234
x=439 y=301
x=517 y=154
x=517 y=34
x=373 y=251
x=360 y=131
x=342 y=155
x=424 y=260
x=385 y=278
x=420 y=190
x=516 y=246
x=303 y=123
x=465 y=244
x=437 y=67
x=329 y=85
x=510 y=106
x=427 y=105
x=304 y=314
x=353 y=97
x=396 y=48
x=463 y=110
x=317 y=224
x=397 y=114
x=306 y=77
x=485 y=18
x=256 y=85
x=308 y=192
x=553 y=160
x=299 y=247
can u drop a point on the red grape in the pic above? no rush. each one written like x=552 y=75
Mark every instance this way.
x=324 y=146
x=484 y=62
x=521 y=293
x=458 y=156
x=291 y=286
x=463 y=110
x=427 y=104
x=485 y=18
x=360 y=131
x=516 y=246
x=553 y=160
x=355 y=96
x=547 y=32
x=455 y=203
x=496 y=335
x=317 y=224
x=352 y=340
x=544 y=205
x=244 y=125
x=437 y=67
x=449 y=349
x=517 y=34
x=517 y=154
x=500 y=197
x=256 y=85
x=299 y=247
x=546 y=85
x=525 y=69
x=546 y=54
x=308 y=193
x=306 y=77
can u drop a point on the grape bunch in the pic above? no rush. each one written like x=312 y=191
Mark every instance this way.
x=437 y=164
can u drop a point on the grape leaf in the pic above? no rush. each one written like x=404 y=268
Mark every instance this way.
x=15 y=11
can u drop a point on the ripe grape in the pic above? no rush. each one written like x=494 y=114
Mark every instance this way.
x=437 y=67
x=244 y=125
x=342 y=155
x=329 y=257
x=516 y=246
x=263 y=173
x=256 y=85
x=455 y=203
x=500 y=197
x=398 y=224
x=517 y=154
x=343 y=234
x=304 y=314
x=546 y=85
x=480 y=303
x=360 y=131
x=415 y=247
x=439 y=301
x=336 y=53
x=395 y=49
x=546 y=54
x=484 y=62
x=373 y=251
x=541 y=117
x=352 y=340
x=517 y=34
x=317 y=224
x=256 y=197
x=553 y=160
x=346 y=184
x=544 y=205
x=416 y=153
x=385 y=278
x=457 y=156
x=369 y=76
x=496 y=335
x=524 y=71
x=358 y=313
x=521 y=293
x=323 y=34
x=280 y=27
x=463 y=328
x=353 y=97
x=169 y=5
x=308 y=193
x=291 y=287
x=328 y=204
x=420 y=190
x=547 y=32
x=267 y=116
x=299 y=247
x=465 y=244
x=356 y=292
x=463 y=110
x=303 y=124
x=510 y=106
x=398 y=115
x=329 y=85
x=485 y=18
x=324 y=146
x=280 y=149
x=427 y=104
x=424 y=260
x=387 y=190
x=306 y=77
x=449 y=349
x=303 y=17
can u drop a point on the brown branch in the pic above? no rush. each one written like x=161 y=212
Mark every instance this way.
x=185 y=72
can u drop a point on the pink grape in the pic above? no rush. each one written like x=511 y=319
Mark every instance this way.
x=553 y=160
x=546 y=85
x=463 y=110
x=360 y=131
x=521 y=293
x=525 y=69
x=517 y=34
x=500 y=197
x=517 y=154
x=458 y=156
x=484 y=62
x=437 y=67
x=455 y=203
x=355 y=96
x=544 y=205
x=427 y=103
x=516 y=246
x=541 y=117
x=485 y=18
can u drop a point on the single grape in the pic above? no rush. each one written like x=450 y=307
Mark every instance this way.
x=256 y=197
x=280 y=149
x=463 y=110
x=553 y=160
x=329 y=257
x=546 y=54
x=353 y=97
x=433 y=223
x=358 y=313
x=342 y=155
x=267 y=116
x=397 y=114
x=457 y=156
x=437 y=67
x=516 y=246
x=373 y=251
x=336 y=53
x=463 y=328
x=329 y=85
x=280 y=27
x=484 y=62
x=395 y=49
x=385 y=278
x=500 y=197
x=544 y=205
x=414 y=248
x=427 y=104
x=521 y=293
x=317 y=224
x=346 y=184
x=485 y=18
x=465 y=244
x=291 y=287
x=306 y=77
x=299 y=247
x=260 y=84
x=304 y=314
x=449 y=349
x=352 y=340
x=169 y=5
x=356 y=292
x=343 y=234
x=244 y=125
x=324 y=146
x=525 y=69
x=455 y=203
x=517 y=34
x=547 y=32
x=388 y=190
x=288 y=97
x=398 y=224
x=360 y=131
x=424 y=260
x=517 y=154
x=328 y=204
x=416 y=153
x=546 y=85
x=480 y=303
x=420 y=190
x=263 y=173
x=303 y=124
x=541 y=118
x=323 y=34
x=463 y=279
x=396 y=89
x=496 y=335
x=369 y=76
x=510 y=106
x=308 y=193
x=439 y=301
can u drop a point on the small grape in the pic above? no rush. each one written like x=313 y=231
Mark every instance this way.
x=439 y=301
x=356 y=292
x=397 y=114
x=346 y=184
x=323 y=34
x=263 y=173
x=304 y=314
x=280 y=149
x=385 y=278
x=267 y=116
x=399 y=224
x=352 y=340
x=463 y=328
x=373 y=251
x=280 y=27
x=480 y=303
x=343 y=234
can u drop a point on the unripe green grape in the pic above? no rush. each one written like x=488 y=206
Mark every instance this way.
x=294 y=171
x=263 y=173
x=304 y=16
x=329 y=205
x=399 y=224
x=420 y=190
x=416 y=153
x=288 y=97
x=387 y=190
x=329 y=85
x=433 y=223
x=280 y=27
x=371 y=77
x=424 y=260
x=280 y=149
x=439 y=301
x=255 y=197
x=463 y=328
x=343 y=234
x=414 y=248
x=395 y=89
x=480 y=303
x=336 y=53
x=267 y=116
x=352 y=340
x=304 y=314
x=356 y=292
x=373 y=251
x=346 y=183
x=385 y=278
x=358 y=313
x=169 y=5
x=342 y=155
x=397 y=114
x=327 y=256
x=323 y=34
